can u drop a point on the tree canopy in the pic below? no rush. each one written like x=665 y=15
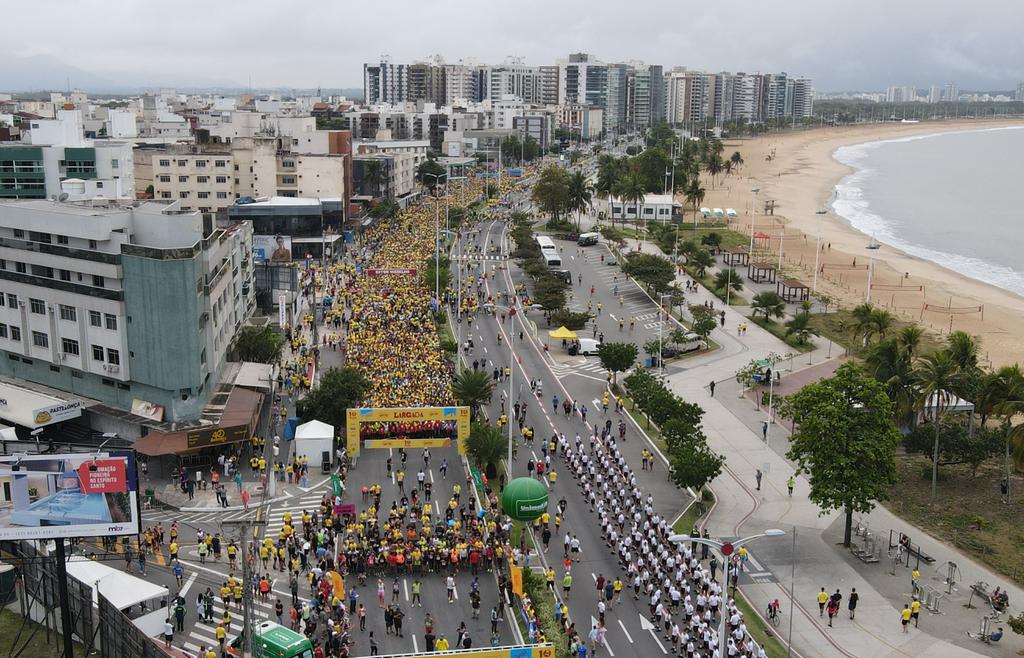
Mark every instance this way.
x=259 y=344
x=617 y=357
x=340 y=389
x=551 y=191
x=654 y=271
x=845 y=441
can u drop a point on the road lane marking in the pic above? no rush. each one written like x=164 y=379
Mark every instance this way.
x=628 y=636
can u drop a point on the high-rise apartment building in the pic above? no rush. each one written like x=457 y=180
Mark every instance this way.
x=385 y=82
x=905 y=94
x=548 y=85
x=582 y=80
x=514 y=79
x=646 y=97
x=686 y=96
x=616 y=109
x=426 y=82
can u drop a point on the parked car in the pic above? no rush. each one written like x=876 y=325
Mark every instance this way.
x=611 y=260
x=584 y=347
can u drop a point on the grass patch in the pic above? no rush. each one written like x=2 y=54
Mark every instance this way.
x=838 y=327
x=758 y=629
x=968 y=511
x=10 y=624
x=778 y=330
x=685 y=523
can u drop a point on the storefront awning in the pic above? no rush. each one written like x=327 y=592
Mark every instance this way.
x=237 y=423
x=30 y=409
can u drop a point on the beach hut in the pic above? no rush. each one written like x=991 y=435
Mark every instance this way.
x=719 y=213
x=731 y=213
x=706 y=212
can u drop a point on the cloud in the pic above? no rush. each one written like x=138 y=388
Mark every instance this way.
x=843 y=45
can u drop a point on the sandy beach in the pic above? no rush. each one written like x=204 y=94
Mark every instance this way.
x=800 y=179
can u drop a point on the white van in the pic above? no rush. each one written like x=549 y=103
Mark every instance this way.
x=587 y=239
x=588 y=346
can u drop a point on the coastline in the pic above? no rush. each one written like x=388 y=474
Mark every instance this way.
x=800 y=179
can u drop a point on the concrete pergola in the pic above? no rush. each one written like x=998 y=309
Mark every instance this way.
x=735 y=256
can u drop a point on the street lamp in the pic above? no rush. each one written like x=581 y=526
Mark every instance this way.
x=661 y=333
x=817 y=250
x=725 y=549
x=753 y=213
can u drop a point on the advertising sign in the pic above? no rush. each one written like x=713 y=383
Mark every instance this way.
x=212 y=436
x=406 y=427
x=57 y=412
x=282 y=310
x=275 y=248
x=147 y=410
x=379 y=271
x=70 y=495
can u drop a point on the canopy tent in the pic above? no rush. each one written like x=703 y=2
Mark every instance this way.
x=718 y=212
x=731 y=212
x=705 y=211
x=314 y=438
x=123 y=590
x=563 y=333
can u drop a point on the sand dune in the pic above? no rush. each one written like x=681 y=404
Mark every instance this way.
x=800 y=179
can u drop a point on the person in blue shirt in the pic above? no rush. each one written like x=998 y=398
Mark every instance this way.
x=581 y=651
x=998 y=635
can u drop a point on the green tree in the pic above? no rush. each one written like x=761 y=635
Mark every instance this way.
x=701 y=261
x=695 y=468
x=258 y=344
x=937 y=375
x=340 y=389
x=580 y=194
x=563 y=317
x=654 y=271
x=631 y=189
x=712 y=241
x=486 y=445
x=374 y=175
x=845 y=441
x=551 y=191
x=549 y=292
x=800 y=326
x=386 y=209
x=431 y=173
x=956 y=444
x=769 y=304
x=617 y=357
x=891 y=363
x=694 y=196
x=881 y=322
x=728 y=278
x=474 y=389
x=963 y=350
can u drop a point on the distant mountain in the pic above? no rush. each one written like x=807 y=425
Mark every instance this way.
x=40 y=73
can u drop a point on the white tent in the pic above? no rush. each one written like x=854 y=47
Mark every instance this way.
x=121 y=589
x=314 y=438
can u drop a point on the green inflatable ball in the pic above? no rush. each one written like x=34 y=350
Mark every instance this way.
x=524 y=499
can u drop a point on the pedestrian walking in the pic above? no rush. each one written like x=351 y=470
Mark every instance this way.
x=711 y=386
x=852 y=602
x=822 y=601
x=915 y=610
x=764 y=430
x=905 y=617
x=789 y=485
x=833 y=609
x=168 y=633
x=757 y=476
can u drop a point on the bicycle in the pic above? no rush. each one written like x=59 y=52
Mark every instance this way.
x=774 y=616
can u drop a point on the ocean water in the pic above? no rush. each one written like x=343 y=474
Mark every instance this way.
x=955 y=198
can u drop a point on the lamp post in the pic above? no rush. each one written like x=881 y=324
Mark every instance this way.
x=661 y=333
x=817 y=250
x=725 y=549
x=753 y=213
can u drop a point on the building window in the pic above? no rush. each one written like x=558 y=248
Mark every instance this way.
x=200 y=163
x=203 y=195
x=111 y=321
x=69 y=346
x=69 y=313
x=39 y=339
x=18 y=233
x=202 y=179
x=97 y=353
x=165 y=195
x=99 y=184
x=98 y=281
x=16 y=333
x=65 y=275
x=114 y=164
x=37 y=306
x=92 y=244
x=20 y=268
x=220 y=163
x=62 y=239
x=183 y=195
x=222 y=195
x=42 y=271
x=182 y=163
x=113 y=357
x=95 y=318
x=165 y=179
x=222 y=179
x=3 y=331
x=12 y=300
x=165 y=163
x=182 y=179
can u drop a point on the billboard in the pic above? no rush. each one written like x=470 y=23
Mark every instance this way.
x=70 y=495
x=146 y=409
x=273 y=248
x=211 y=436
x=378 y=271
x=406 y=427
x=57 y=412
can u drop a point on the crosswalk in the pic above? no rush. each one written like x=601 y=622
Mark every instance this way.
x=275 y=518
x=579 y=366
x=204 y=634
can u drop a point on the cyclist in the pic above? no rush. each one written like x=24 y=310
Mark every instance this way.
x=773 y=609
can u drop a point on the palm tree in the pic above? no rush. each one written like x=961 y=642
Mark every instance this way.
x=769 y=303
x=486 y=445
x=608 y=172
x=727 y=167
x=1011 y=385
x=373 y=175
x=800 y=326
x=726 y=279
x=891 y=363
x=474 y=389
x=862 y=321
x=963 y=349
x=936 y=376
x=713 y=165
x=701 y=261
x=695 y=197
x=881 y=321
x=736 y=159
x=909 y=338
x=581 y=192
x=632 y=189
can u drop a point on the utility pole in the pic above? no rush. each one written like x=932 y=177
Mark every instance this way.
x=247 y=622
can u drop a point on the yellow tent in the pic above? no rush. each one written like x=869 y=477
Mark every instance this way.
x=562 y=333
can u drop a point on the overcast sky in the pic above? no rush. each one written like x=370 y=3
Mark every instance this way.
x=842 y=44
